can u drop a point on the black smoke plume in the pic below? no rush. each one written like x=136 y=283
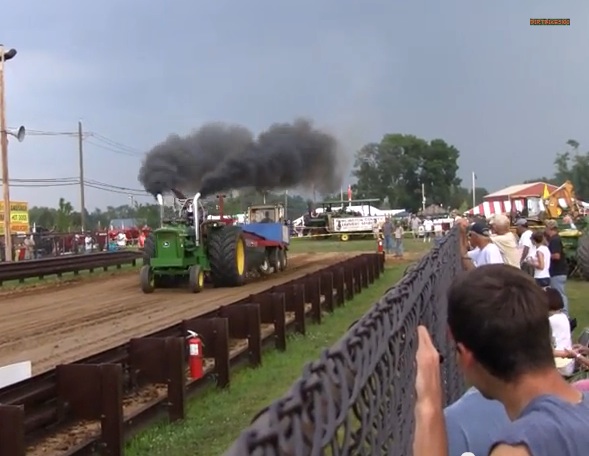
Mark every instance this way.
x=179 y=163
x=292 y=155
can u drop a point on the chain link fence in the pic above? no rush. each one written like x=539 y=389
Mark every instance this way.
x=358 y=397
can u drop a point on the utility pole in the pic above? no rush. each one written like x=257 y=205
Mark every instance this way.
x=132 y=198
x=4 y=56
x=81 y=164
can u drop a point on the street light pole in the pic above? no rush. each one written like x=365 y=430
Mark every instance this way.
x=4 y=56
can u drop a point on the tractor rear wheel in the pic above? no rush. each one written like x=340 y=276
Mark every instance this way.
x=148 y=249
x=146 y=278
x=226 y=249
x=583 y=255
x=196 y=279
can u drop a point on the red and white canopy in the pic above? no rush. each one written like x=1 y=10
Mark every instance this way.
x=489 y=208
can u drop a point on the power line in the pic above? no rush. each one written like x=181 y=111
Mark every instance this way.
x=98 y=140
x=113 y=143
x=115 y=150
x=71 y=181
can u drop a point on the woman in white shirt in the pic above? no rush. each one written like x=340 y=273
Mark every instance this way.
x=560 y=328
x=539 y=257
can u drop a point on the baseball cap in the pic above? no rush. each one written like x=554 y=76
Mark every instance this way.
x=521 y=222
x=480 y=228
x=551 y=224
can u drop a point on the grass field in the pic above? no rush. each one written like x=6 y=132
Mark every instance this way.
x=578 y=294
x=215 y=419
x=299 y=245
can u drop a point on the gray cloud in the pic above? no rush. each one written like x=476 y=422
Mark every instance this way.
x=508 y=95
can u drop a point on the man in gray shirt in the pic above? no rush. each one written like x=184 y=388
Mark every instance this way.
x=387 y=232
x=497 y=319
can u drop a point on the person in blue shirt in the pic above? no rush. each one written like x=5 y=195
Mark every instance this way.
x=497 y=319
x=473 y=423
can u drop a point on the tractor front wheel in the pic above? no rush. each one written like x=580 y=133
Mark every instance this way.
x=227 y=256
x=583 y=255
x=148 y=249
x=196 y=278
x=146 y=278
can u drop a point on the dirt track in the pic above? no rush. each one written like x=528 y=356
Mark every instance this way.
x=66 y=324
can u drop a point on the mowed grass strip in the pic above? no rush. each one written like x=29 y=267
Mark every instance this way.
x=215 y=418
x=578 y=293
x=319 y=244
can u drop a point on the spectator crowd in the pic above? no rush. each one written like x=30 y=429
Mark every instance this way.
x=508 y=318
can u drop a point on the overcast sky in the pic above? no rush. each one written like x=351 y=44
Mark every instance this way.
x=476 y=74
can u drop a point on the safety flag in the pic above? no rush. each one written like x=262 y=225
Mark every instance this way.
x=546 y=193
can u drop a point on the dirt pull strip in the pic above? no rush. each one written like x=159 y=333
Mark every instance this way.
x=69 y=324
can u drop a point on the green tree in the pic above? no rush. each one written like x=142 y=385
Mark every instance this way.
x=548 y=180
x=64 y=212
x=574 y=166
x=571 y=165
x=397 y=167
x=462 y=197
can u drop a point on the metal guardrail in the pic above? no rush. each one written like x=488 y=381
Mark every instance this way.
x=117 y=391
x=57 y=266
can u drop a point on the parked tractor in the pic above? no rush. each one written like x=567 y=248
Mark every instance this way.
x=338 y=219
x=575 y=242
x=189 y=249
x=573 y=232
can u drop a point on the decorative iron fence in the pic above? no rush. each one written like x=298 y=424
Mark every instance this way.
x=359 y=397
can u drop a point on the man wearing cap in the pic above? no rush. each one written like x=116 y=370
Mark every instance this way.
x=484 y=251
x=559 y=268
x=525 y=243
x=503 y=238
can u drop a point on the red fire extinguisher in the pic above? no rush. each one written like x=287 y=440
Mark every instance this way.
x=195 y=355
x=379 y=246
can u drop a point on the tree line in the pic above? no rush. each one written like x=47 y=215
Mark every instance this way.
x=64 y=218
x=392 y=171
x=572 y=165
x=395 y=169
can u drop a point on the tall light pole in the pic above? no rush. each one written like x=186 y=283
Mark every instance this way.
x=6 y=55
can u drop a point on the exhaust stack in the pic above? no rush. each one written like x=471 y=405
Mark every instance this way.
x=195 y=215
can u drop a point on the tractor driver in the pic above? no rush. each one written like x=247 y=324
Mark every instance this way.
x=189 y=214
x=267 y=218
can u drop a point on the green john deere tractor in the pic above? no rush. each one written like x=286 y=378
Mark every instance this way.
x=189 y=248
x=185 y=248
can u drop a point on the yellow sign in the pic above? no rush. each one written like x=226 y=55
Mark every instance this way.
x=19 y=217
